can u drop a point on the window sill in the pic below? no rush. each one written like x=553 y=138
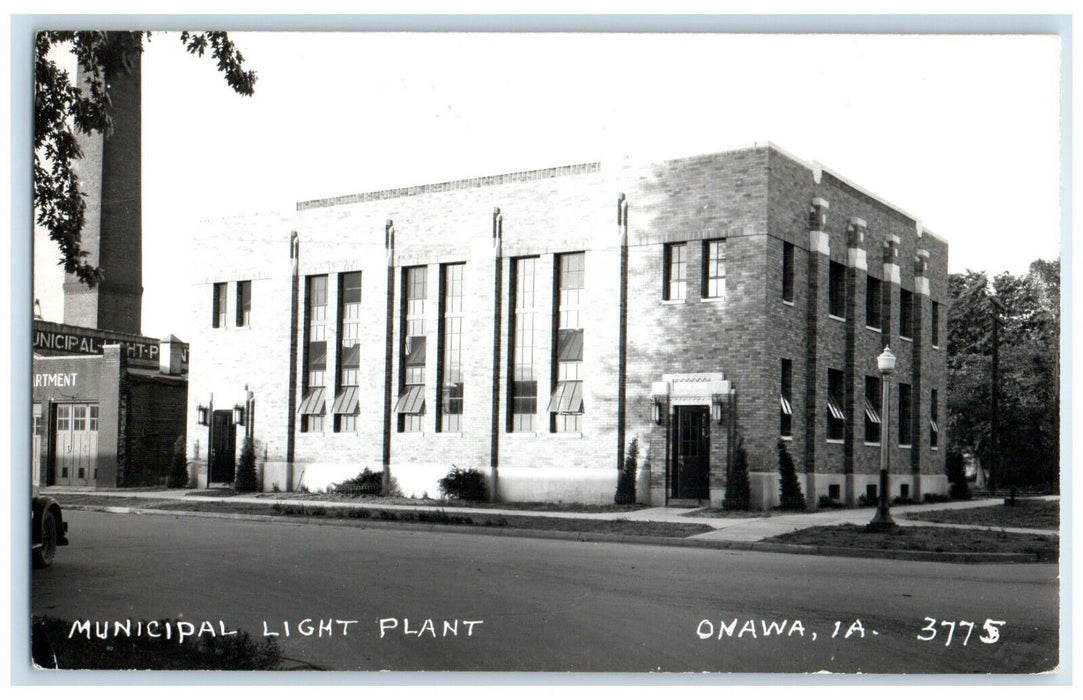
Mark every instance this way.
x=935 y=347
x=934 y=448
x=787 y=438
x=712 y=300
x=874 y=329
x=787 y=302
x=837 y=318
x=448 y=434
x=411 y=433
x=906 y=338
x=905 y=447
x=566 y=436
x=872 y=444
x=520 y=434
x=834 y=441
x=673 y=302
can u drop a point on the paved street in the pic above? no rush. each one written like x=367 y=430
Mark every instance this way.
x=518 y=604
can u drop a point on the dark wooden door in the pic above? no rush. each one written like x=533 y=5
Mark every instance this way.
x=691 y=451
x=223 y=447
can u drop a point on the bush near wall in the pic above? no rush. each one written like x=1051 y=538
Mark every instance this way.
x=464 y=485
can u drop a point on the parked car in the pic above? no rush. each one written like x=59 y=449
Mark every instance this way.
x=47 y=529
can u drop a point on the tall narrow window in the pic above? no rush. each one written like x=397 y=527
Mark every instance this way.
x=906 y=314
x=836 y=290
x=451 y=333
x=312 y=401
x=566 y=402
x=411 y=404
x=787 y=272
x=786 y=400
x=244 y=304
x=218 y=310
x=905 y=408
x=675 y=284
x=936 y=324
x=872 y=409
x=934 y=420
x=836 y=419
x=524 y=380
x=873 y=296
x=346 y=404
x=714 y=271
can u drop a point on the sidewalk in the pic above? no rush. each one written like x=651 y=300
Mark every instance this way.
x=727 y=529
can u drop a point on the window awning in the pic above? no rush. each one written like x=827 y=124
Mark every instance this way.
x=871 y=413
x=411 y=400
x=416 y=356
x=569 y=344
x=833 y=408
x=346 y=401
x=567 y=398
x=317 y=355
x=312 y=402
x=786 y=407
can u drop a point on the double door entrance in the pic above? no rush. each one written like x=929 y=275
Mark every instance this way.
x=76 y=444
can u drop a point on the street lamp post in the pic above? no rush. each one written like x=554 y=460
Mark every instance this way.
x=886 y=364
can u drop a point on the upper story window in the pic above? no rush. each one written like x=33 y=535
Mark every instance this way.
x=451 y=319
x=346 y=404
x=905 y=415
x=786 y=399
x=312 y=403
x=872 y=409
x=244 y=304
x=787 y=272
x=906 y=314
x=836 y=290
x=873 y=299
x=411 y=403
x=714 y=270
x=836 y=419
x=935 y=320
x=675 y=283
x=218 y=307
x=524 y=375
x=566 y=401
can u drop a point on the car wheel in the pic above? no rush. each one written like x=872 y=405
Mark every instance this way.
x=43 y=555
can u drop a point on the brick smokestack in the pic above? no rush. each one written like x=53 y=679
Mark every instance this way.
x=110 y=174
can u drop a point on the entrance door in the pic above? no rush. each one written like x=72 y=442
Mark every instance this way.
x=76 y=443
x=223 y=447
x=691 y=451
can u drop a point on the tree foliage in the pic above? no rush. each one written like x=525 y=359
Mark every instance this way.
x=626 y=479
x=63 y=108
x=246 y=479
x=1027 y=309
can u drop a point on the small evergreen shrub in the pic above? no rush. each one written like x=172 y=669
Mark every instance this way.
x=464 y=485
x=245 y=479
x=367 y=483
x=738 y=490
x=626 y=480
x=790 y=495
x=178 y=470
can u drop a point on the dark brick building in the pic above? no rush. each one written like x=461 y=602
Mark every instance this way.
x=531 y=325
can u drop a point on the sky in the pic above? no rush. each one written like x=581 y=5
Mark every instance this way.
x=960 y=131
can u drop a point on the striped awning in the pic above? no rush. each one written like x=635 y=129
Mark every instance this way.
x=833 y=408
x=786 y=407
x=312 y=402
x=411 y=400
x=934 y=426
x=871 y=413
x=346 y=401
x=567 y=398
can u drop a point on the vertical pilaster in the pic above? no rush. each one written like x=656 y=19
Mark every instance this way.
x=498 y=299
x=291 y=402
x=818 y=269
x=622 y=331
x=856 y=271
x=917 y=365
x=389 y=351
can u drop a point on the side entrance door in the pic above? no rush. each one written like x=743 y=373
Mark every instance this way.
x=223 y=447
x=76 y=430
x=691 y=452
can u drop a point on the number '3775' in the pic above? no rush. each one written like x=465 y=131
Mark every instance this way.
x=990 y=631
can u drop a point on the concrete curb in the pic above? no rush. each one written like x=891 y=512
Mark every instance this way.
x=577 y=536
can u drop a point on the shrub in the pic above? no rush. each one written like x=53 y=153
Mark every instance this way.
x=790 y=495
x=464 y=485
x=367 y=483
x=245 y=480
x=902 y=501
x=738 y=490
x=828 y=502
x=935 y=498
x=626 y=479
x=178 y=470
